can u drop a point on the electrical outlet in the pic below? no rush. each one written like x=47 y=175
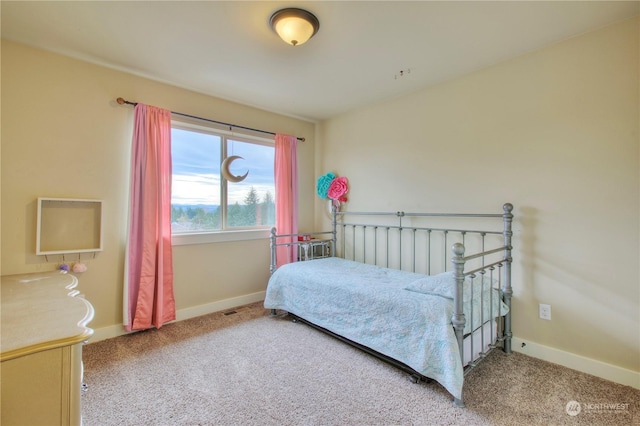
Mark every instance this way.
x=545 y=311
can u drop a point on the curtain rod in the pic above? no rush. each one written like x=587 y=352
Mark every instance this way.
x=122 y=101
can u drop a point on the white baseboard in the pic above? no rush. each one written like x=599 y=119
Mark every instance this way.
x=183 y=314
x=220 y=305
x=577 y=362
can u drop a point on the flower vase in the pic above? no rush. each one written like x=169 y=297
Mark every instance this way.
x=333 y=204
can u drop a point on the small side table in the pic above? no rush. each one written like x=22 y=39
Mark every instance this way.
x=314 y=249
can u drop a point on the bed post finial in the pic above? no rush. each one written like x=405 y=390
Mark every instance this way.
x=457 y=319
x=507 y=291
x=272 y=244
x=458 y=250
x=334 y=229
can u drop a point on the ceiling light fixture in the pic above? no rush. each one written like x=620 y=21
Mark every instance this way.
x=294 y=26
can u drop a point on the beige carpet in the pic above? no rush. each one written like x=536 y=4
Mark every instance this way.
x=251 y=369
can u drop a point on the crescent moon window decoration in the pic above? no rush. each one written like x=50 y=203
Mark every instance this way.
x=226 y=164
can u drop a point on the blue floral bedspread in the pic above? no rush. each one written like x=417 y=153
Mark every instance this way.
x=372 y=306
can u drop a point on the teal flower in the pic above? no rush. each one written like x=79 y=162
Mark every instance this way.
x=324 y=182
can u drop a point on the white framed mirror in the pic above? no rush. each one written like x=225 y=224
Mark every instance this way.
x=68 y=225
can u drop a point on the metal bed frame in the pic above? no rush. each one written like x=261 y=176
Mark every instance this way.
x=428 y=248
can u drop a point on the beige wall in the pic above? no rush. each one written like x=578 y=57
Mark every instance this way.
x=555 y=132
x=63 y=135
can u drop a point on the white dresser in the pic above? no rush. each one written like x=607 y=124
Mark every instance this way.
x=44 y=324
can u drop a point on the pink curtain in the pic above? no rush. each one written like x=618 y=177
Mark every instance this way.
x=148 y=292
x=286 y=179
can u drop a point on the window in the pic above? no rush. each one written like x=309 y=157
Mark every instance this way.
x=202 y=201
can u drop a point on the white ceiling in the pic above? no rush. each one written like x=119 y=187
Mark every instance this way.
x=226 y=48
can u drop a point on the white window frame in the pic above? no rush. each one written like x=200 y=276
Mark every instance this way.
x=223 y=235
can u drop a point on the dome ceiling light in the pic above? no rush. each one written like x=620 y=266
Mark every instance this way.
x=294 y=26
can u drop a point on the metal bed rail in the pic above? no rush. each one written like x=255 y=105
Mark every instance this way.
x=293 y=245
x=411 y=247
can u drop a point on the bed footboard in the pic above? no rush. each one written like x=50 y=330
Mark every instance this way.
x=459 y=260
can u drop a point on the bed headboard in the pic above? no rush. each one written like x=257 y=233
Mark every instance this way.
x=420 y=242
x=416 y=242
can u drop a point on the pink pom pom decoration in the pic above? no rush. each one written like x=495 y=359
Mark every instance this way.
x=79 y=267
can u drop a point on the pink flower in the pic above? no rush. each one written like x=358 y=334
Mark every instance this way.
x=338 y=188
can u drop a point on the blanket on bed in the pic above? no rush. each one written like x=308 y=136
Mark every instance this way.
x=372 y=306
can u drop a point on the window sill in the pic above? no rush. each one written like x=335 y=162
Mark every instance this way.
x=219 y=237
